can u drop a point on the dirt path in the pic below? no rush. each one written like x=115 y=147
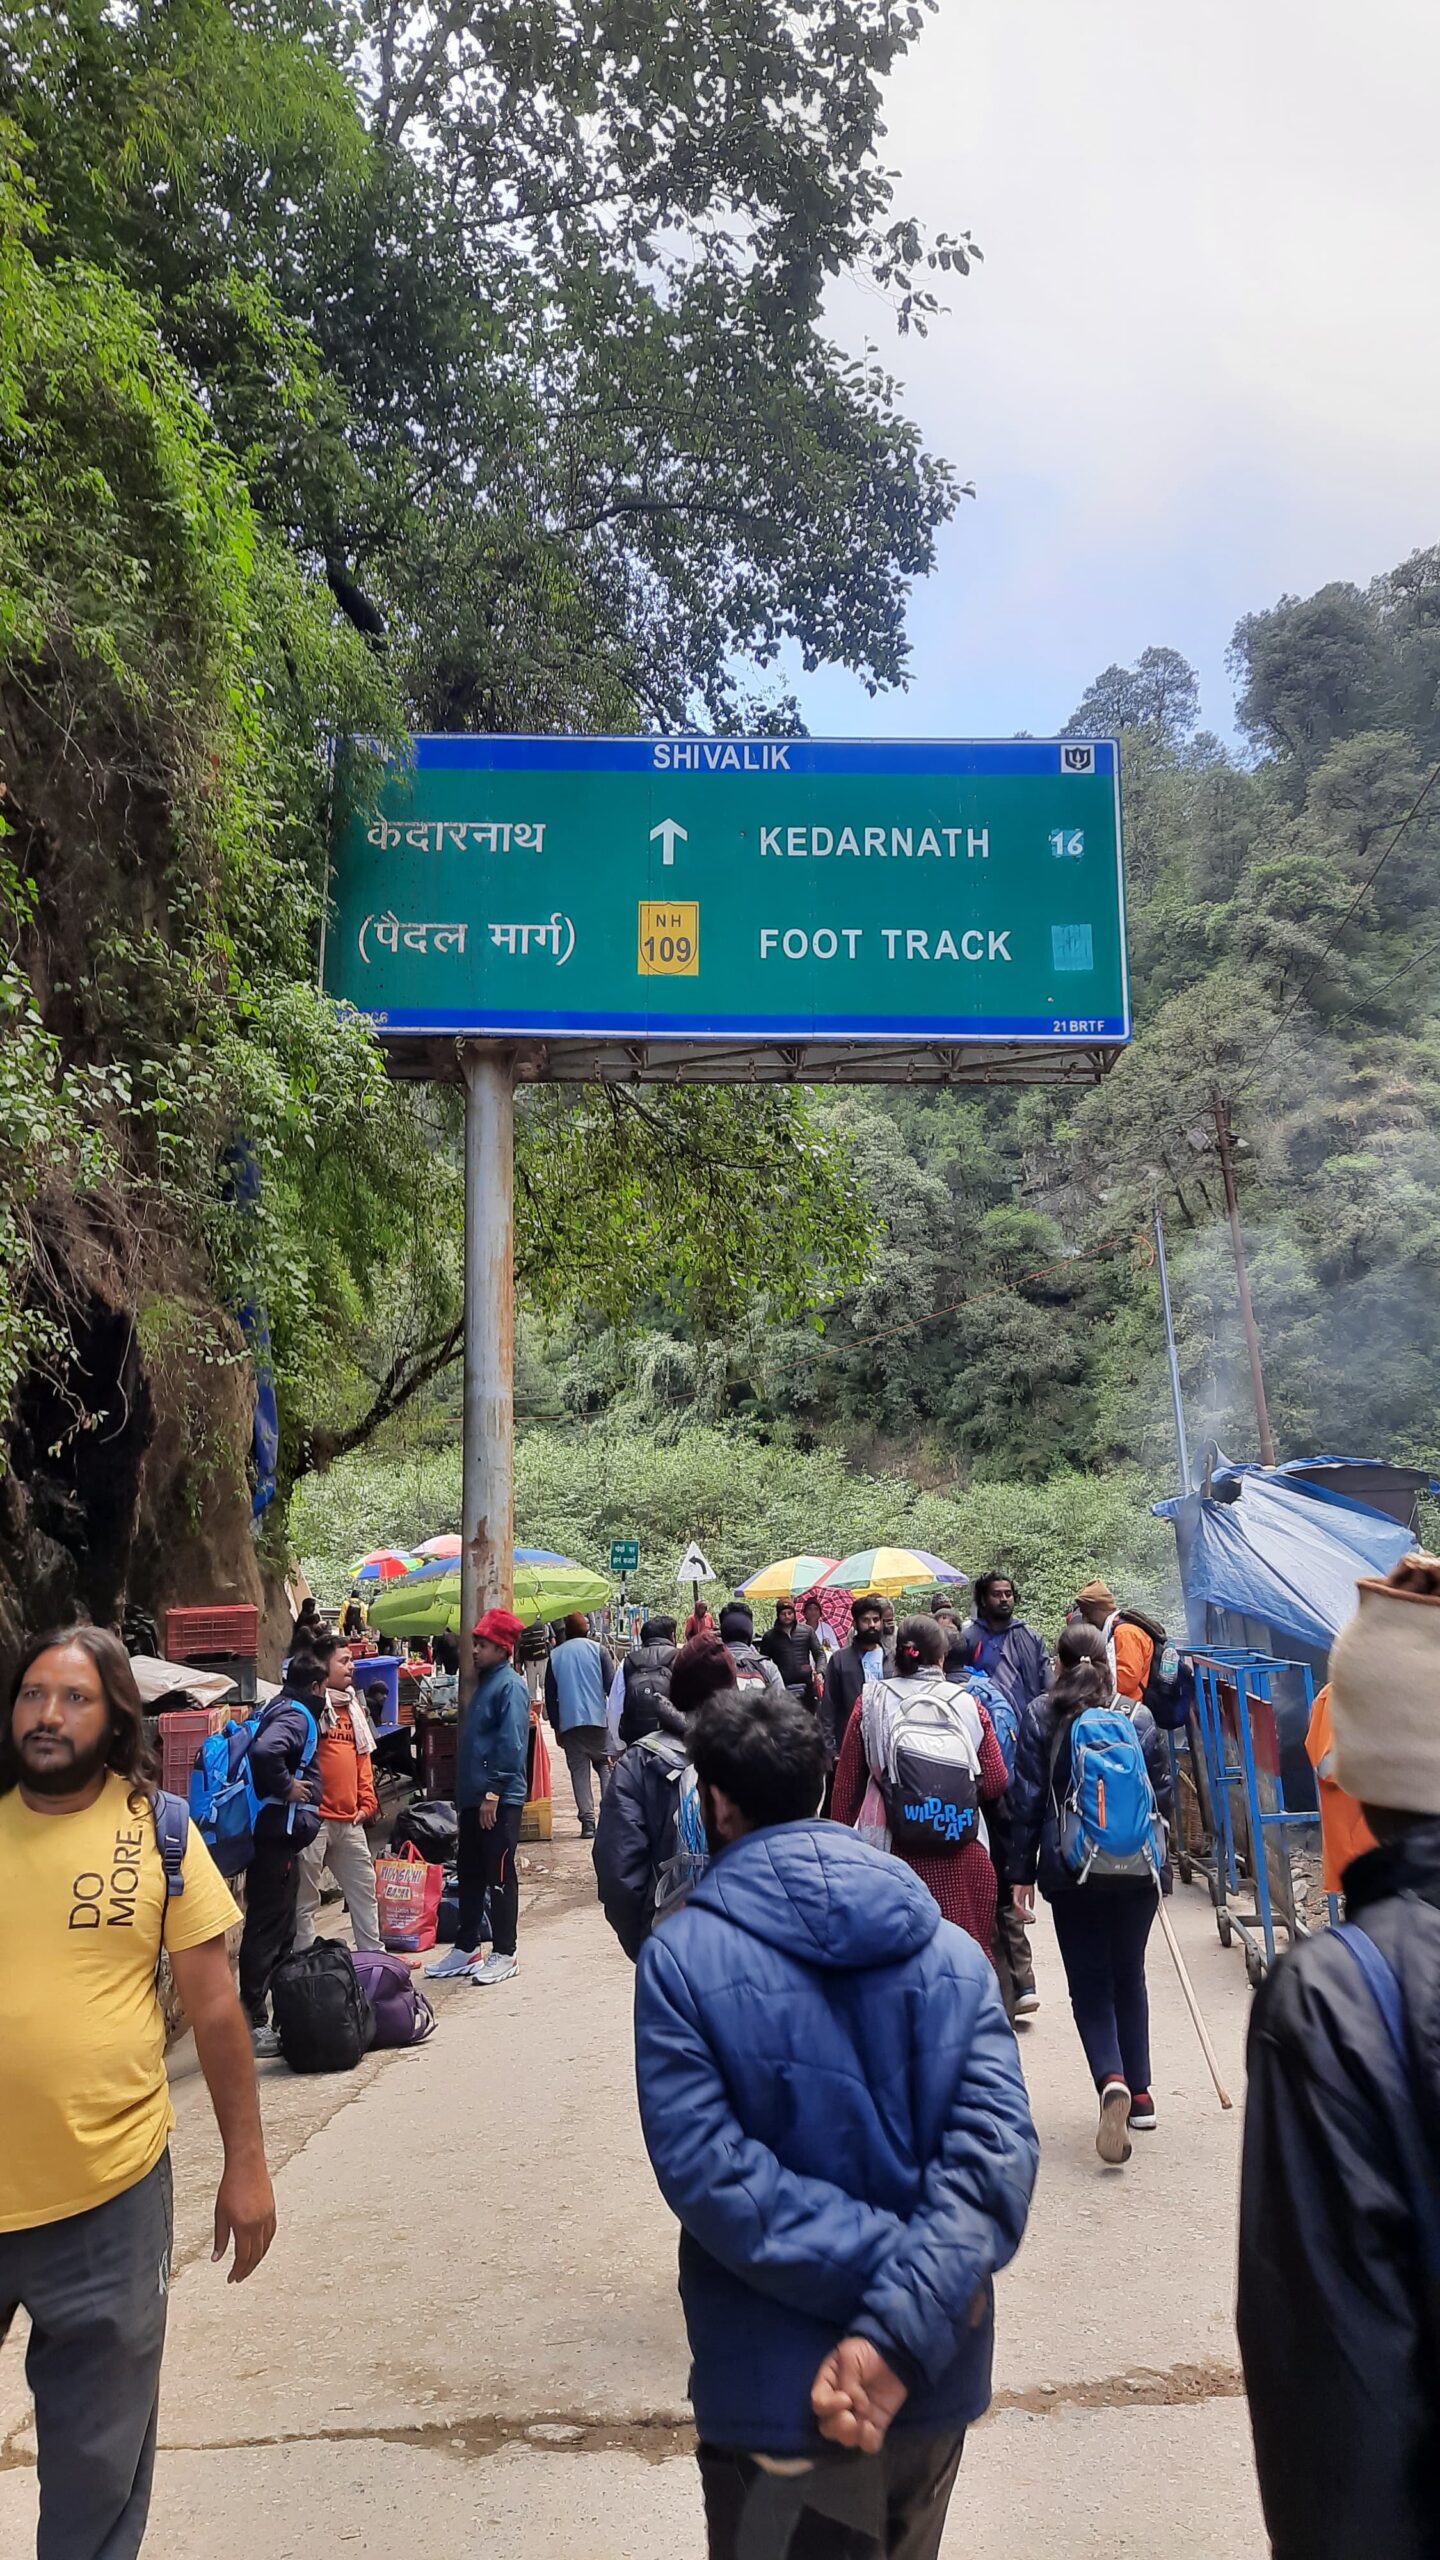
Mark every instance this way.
x=467 y=2340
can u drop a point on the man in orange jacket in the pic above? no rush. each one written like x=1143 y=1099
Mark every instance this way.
x=1131 y=1650
x=344 y=1758
x=1344 y=1831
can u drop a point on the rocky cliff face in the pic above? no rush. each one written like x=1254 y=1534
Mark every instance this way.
x=125 y=1486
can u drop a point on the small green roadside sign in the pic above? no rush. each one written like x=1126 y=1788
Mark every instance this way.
x=624 y=1555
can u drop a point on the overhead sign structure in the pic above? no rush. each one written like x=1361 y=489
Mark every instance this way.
x=711 y=907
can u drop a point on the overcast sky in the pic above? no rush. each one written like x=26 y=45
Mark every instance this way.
x=1200 y=366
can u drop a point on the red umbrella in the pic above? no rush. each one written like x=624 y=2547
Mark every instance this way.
x=449 y=1545
x=383 y=1564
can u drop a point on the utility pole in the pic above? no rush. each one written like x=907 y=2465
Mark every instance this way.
x=487 y=1490
x=1221 y=1115
x=1182 y=1447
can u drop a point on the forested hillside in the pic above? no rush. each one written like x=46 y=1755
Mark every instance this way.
x=365 y=368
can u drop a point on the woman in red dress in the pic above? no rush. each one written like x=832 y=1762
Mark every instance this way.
x=961 y=1880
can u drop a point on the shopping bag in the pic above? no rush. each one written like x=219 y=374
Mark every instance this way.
x=407 y=1894
x=871 y=1824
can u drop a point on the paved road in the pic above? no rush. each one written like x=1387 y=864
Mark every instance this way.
x=466 y=2340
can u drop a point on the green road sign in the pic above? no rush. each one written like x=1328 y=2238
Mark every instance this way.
x=749 y=892
x=624 y=1556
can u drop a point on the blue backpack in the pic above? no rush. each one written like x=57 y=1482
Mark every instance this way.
x=1109 y=1821
x=223 y=1801
x=1001 y=1714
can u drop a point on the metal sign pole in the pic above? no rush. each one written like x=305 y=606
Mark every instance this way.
x=487 y=1493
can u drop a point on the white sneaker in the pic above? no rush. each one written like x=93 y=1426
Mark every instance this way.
x=495 y=1968
x=1027 y=2004
x=452 y=1964
x=264 y=2043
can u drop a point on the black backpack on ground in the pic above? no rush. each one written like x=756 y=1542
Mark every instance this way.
x=433 y=1826
x=322 y=2016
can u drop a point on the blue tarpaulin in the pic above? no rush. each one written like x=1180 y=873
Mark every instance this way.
x=1280 y=1552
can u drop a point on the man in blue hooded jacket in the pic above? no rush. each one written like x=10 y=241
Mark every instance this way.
x=832 y=2103
x=491 y=1772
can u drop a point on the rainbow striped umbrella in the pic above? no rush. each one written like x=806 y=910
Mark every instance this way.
x=790 y=1579
x=889 y=1571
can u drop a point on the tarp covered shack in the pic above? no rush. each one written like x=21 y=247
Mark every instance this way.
x=1270 y=1556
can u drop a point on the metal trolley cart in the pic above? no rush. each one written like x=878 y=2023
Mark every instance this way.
x=1245 y=1828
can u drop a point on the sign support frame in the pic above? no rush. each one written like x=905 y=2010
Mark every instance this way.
x=487 y=1491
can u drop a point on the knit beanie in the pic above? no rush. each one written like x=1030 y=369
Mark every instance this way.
x=700 y=1670
x=1385 y=1691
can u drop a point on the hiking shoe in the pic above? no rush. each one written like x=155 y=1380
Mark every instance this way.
x=264 y=2043
x=1111 y=2139
x=1142 y=2112
x=452 y=1964
x=495 y=1968
x=587 y=1830
x=1027 y=2003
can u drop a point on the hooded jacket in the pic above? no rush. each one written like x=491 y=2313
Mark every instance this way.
x=1022 y=1668
x=276 y=1753
x=832 y=2103
x=493 y=1758
x=636 y=1828
x=1340 y=2346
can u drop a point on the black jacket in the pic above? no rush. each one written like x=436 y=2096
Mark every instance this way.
x=796 y=1656
x=1338 y=2340
x=635 y=1832
x=647 y=1670
x=844 y=1680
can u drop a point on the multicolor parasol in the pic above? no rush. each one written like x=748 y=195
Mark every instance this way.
x=889 y=1571
x=790 y=1579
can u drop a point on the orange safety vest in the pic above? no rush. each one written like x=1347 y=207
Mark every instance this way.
x=1344 y=1831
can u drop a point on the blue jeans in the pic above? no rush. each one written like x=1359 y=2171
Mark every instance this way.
x=1102 y=1929
x=96 y=2287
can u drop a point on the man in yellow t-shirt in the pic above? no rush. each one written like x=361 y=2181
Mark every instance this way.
x=87 y=1900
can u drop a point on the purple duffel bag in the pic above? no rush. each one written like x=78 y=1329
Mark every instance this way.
x=403 y=2015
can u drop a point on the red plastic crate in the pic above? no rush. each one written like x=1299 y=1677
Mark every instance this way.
x=192 y=1635
x=181 y=1734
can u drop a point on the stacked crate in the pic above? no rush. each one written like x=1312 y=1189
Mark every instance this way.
x=223 y=1639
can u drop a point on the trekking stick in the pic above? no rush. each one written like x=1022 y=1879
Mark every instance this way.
x=1192 y=2004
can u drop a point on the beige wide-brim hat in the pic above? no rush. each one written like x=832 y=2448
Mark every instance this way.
x=1385 y=1699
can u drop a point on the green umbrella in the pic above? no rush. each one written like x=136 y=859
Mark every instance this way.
x=427 y=1602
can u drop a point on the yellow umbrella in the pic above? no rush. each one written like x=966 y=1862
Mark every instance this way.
x=787 y=1579
x=891 y=1570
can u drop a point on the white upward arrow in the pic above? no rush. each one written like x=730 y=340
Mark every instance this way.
x=670 y=835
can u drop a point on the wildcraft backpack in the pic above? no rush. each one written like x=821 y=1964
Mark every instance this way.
x=1109 y=1820
x=929 y=1773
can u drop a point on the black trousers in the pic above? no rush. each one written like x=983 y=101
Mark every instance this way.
x=485 y=1863
x=272 y=1886
x=920 y=2474
x=1102 y=1929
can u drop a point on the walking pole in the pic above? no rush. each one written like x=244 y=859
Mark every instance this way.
x=1191 y=2003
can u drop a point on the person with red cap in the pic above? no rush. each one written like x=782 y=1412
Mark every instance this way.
x=490 y=1780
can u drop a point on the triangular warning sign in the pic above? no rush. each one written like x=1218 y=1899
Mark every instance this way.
x=693 y=1567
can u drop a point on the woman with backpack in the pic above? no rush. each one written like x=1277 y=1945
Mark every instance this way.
x=886 y=1736
x=1087 y=1805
